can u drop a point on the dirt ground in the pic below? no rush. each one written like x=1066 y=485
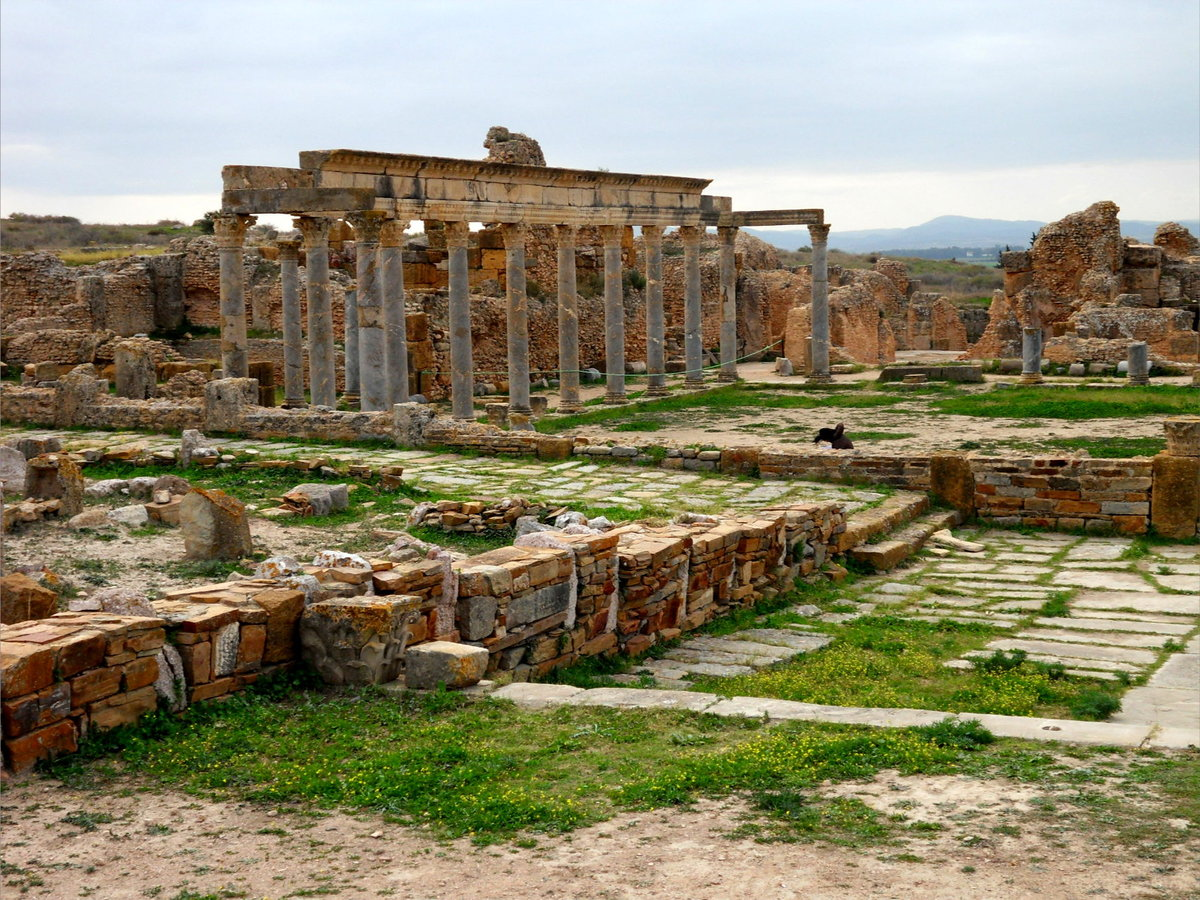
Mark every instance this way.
x=172 y=845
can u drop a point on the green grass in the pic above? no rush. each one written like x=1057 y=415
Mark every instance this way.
x=1075 y=402
x=1098 y=447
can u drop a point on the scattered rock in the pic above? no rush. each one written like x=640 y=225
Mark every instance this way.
x=317 y=499
x=108 y=487
x=12 y=470
x=277 y=567
x=22 y=599
x=426 y=666
x=90 y=518
x=130 y=516
x=122 y=601
x=214 y=526
x=944 y=538
x=172 y=483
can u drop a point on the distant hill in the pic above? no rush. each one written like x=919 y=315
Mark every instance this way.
x=959 y=232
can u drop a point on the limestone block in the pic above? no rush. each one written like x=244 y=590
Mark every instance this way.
x=56 y=477
x=477 y=617
x=358 y=640
x=951 y=480
x=1183 y=435
x=22 y=599
x=129 y=516
x=1175 y=500
x=442 y=662
x=12 y=470
x=225 y=650
x=284 y=608
x=136 y=375
x=20 y=754
x=38 y=446
x=170 y=684
x=214 y=526
x=318 y=499
x=539 y=604
x=227 y=400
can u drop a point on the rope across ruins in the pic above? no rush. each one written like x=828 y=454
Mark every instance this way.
x=379 y=194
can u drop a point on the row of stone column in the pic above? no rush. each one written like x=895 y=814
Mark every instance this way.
x=376 y=346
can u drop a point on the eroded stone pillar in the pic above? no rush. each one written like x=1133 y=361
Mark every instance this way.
x=322 y=360
x=1031 y=356
x=693 y=336
x=1139 y=363
x=568 y=323
x=230 y=231
x=293 y=334
x=462 y=374
x=391 y=263
x=727 y=235
x=350 y=319
x=819 y=354
x=614 y=315
x=517 y=319
x=656 y=366
x=374 y=394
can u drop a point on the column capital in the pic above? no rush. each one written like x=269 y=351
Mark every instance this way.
x=314 y=228
x=727 y=234
x=457 y=234
x=392 y=233
x=691 y=234
x=367 y=225
x=652 y=234
x=513 y=232
x=289 y=248
x=566 y=233
x=230 y=229
x=612 y=234
x=818 y=234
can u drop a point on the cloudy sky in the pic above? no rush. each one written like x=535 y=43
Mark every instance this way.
x=884 y=112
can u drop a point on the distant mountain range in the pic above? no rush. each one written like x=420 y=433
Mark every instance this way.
x=944 y=231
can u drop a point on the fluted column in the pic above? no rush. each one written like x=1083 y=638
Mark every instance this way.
x=230 y=231
x=372 y=342
x=727 y=235
x=568 y=322
x=819 y=369
x=462 y=375
x=693 y=337
x=656 y=366
x=350 y=392
x=391 y=264
x=614 y=315
x=293 y=334
x=322 y=360
x=518 y=319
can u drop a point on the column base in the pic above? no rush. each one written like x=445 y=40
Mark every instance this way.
x=727 y=377
x=520 y=410
x=567 y=409
x=352 y=399
x=819 y=379
x=693 y=383
x=615 y=398
x=293 y=404
x=1032 y=378
x=657 y=390
x=1137 y=381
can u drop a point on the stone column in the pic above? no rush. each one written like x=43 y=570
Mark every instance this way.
x=372 y=341
x=1139 y=363
x=819 y=355
x=727 y=235
x=293 y=334
x=517 y=320
x=1031 y=356
x=230 y=230
x=614 y=315
x=462 y=369
x=568 y=323
x=351 y=392
x=656 y=367
x=322 y=359
x=391 y=261
x=693 y=336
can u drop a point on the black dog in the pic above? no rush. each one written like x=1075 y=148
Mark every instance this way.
x=836 y=437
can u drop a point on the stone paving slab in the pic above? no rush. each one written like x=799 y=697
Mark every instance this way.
x=800 y=642
x=1182 y=670
x=1077 y=651
x=735 y=646
x=1179 y=582
x=735 y=660
x=1174 y=738
x=963 y=620
x=642 y=698
x=1111 y=581
x=1109 y=638
x=1180 y=604
x=1169 y=707
x=1115 y=625
x=679 y=669
x=1121 y=615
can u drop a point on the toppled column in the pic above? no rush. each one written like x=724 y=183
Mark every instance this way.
x=568 y=322
x=1175 y=497
x=350 y=342
x=372 y=344
x=614 y=315
x=693 y=343
x=1031 y=356
x=517 y=319
x=462 y=367
x=214 y=526
x=727 y=235
x=656 y=385
x=1139 y=363
x=293 y=335
x=819 y=353
x=230 y=231
x=322 y=361
x=391 y=263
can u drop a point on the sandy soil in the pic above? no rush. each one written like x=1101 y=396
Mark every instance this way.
x=162 y=844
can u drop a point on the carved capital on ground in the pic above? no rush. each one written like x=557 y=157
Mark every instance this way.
x=314 y=228
x=367 y=225
x=230 y=229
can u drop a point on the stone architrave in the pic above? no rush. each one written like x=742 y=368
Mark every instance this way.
x=352 y=357
x=1031 y=356
x=568 y=323
x=391 y=264
x=293 y=334
x=693 y=337
x=614 y=315
x=374 y=394
x=462 y=367
x=135 y=372
x=1139 y=363
x=656 y=385
x=819 y=348
x=518 y=318
x=322 y=361
x=230 y=231
x=214 y=526
x=727 y=235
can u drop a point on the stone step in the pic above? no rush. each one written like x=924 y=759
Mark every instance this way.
x=885 y=555
x=893 y=512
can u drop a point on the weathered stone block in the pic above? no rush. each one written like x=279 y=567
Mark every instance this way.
x=124 y=709
x=284 y=608
x=24 y=668
x=13 y=468
x=952 y=481
x=538 y=604
x=442 y=662
x=22 y=599
x=477 y=617
x=20 y=754
x=56 y=477
x=214 y=526
x=1175 y=501
x=358 y=640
